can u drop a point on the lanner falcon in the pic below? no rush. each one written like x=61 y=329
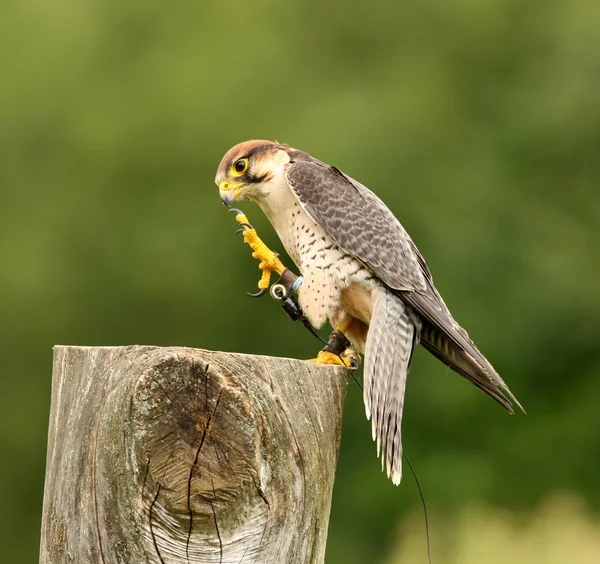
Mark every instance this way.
x=361 y=271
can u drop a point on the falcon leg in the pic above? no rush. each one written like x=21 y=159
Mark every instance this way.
x=338 y=349
x=269 y=260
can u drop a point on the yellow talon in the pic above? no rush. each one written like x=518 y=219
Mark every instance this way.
x=269 y=262
x=241 y=217
x=265 y=280
x=345 y=359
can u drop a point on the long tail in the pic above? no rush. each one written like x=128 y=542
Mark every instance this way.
x=470 y=364
x=393 y=333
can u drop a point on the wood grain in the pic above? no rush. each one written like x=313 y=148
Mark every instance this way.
x=169 y=455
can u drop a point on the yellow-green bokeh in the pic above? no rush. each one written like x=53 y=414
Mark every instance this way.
x=478 y=122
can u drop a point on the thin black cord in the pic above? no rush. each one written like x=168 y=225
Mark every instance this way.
x=309 y=326
x=423 y=501
x=412 y=470
x=357 y=382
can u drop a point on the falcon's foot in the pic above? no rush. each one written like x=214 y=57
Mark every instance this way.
x=269 y=260
x=349 y=358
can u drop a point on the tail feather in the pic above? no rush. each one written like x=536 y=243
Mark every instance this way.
x=392 y=335
x=463 y=363
x=449 y=342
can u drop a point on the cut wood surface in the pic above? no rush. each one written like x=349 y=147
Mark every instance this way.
x=186 y=455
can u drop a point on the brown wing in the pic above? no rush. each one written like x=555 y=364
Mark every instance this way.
x=362 y=225
x=358 y=221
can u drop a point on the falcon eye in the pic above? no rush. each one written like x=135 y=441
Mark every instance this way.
x=239 y=167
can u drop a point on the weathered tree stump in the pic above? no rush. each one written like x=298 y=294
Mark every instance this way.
x=168 y=455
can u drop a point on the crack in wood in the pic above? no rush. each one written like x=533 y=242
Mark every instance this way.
x=261 y=493
x=192 y=470
x=187 y=410
x=243 y=555
x=216 y=522
x=152 y=527
x=184 y=384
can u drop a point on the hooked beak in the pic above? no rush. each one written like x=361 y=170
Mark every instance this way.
x=229 y=191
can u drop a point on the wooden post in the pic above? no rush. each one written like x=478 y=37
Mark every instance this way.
x=168 y=455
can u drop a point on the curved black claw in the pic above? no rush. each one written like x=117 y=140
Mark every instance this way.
x=241 y=230
x=350 y=355
x=238 y=212
x=355 y=364
x=258 y=294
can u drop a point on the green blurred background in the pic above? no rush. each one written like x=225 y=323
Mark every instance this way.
x=477 y=121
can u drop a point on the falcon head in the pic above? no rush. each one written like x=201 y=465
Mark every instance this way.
x=247 y=170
